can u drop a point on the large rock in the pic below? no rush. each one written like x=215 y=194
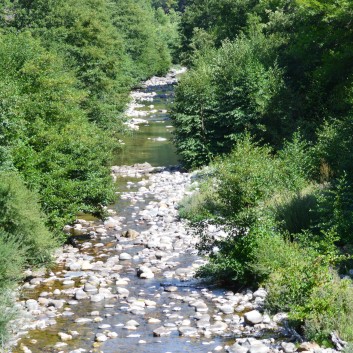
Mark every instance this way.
x=188 y=331
x=89 y=287
x=260 y=293
x=227 y=309
x=161 y=332
x=95 y=298
x=32 y=304
x=130 y=233
x=101 y=337
x=81 y=294
x=64 y=336
x=145 y=272
x=253 y=317
x=218 y=327
x=237 y=348
x=288 y=347
x=123 y=292
x=259 y=347
x=125 y=256
x=308 y=346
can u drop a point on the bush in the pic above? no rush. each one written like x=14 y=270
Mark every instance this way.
x=291 y=286
x=247 y=177
x=229 y=91
x=23 y=222
x=335 y=209
x=294 y=211
x=13 y=257
x=233 y=262
x=202 y=203
x=329 y=309
x=50 y=141
x=144 y=40
x=7 y=313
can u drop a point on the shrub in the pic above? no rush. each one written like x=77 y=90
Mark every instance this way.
x=291 y=286
x=247 y=177
x=335 y=209
x=202 y=203
x=23 y=222
x=229 y=91
x=297 y=163
x=329 y=309
x=13 y=256
x=7 y=313
x=50 y=141
x=234 y=262
x=294 y=210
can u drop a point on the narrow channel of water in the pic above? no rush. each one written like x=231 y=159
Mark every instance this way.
x=152 y=143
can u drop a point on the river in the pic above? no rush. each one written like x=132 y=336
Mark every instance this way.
x=128 y=285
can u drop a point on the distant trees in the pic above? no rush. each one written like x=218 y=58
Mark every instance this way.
x=291 y=59
x=137 y=21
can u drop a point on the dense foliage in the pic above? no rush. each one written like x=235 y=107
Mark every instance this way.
x=282 y=65
x=66 y=69
x=260 y=71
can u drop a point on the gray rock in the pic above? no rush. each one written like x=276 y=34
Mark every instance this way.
x=97 y=298
x=218 y=326
x=32 y=304
x=88 y=287
x=130 y=233
x=161 y=332
x=171 y=289
x=288 y=347
x=125 y=256
x=260 y=293
x=123 y=292
x=237 y=348
x=201 y=307
x=188 y=331
x=64 y=336
x=101 y=337
x=81 y=294
x=132 y=323
x=253 y=317
x=259 y=347
x=153 y=320
x=227 y=309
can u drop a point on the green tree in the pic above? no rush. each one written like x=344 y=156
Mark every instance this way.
x=93 y=47
x=145 y=46
x=229 y=91
x=46 y=132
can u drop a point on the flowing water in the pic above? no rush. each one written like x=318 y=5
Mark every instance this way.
x=152 y=142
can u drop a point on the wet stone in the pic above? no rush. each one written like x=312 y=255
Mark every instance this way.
x=161 y=332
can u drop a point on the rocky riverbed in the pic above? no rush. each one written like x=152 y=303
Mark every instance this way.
x=127 y=285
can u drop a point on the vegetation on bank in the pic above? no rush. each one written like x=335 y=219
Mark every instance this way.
x=66 y=70
x=267 y=106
